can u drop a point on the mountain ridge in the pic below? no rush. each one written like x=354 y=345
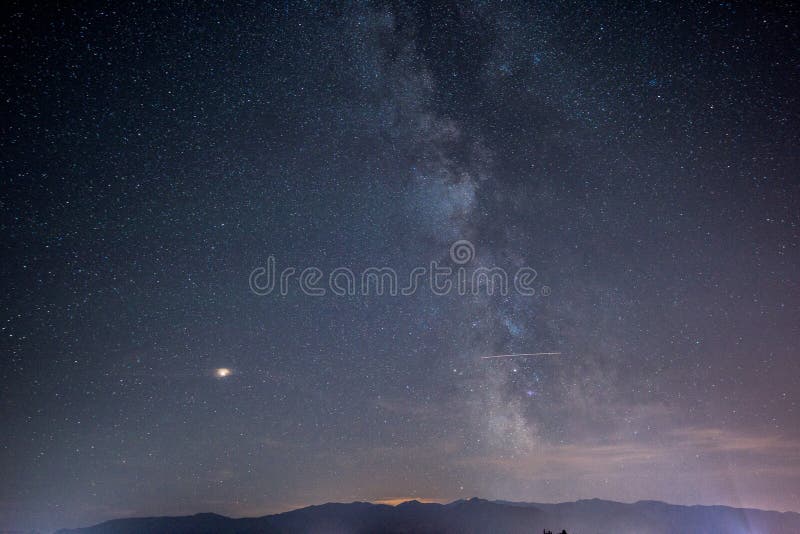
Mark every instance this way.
x=473 y=515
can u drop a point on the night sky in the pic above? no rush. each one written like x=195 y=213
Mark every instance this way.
x=642 y=159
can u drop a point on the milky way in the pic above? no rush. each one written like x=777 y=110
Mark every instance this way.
x=639 y=163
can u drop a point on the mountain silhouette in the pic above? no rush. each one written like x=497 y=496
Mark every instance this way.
x=473 y=516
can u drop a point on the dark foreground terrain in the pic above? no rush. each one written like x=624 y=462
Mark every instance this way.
x=475 y=516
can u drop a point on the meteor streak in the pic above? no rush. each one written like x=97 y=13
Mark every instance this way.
x=520 y=355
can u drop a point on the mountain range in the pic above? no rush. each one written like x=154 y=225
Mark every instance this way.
x=476 y=516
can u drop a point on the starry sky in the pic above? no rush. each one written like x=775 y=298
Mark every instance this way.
x=642 y=159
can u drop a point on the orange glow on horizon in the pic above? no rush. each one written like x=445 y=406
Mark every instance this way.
x=394 y=501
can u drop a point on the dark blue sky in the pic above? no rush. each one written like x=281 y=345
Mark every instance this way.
x=642 y=159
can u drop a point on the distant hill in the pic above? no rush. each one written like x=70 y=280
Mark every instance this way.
x=474 y=516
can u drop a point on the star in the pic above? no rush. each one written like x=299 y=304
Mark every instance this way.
x=222 y=372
